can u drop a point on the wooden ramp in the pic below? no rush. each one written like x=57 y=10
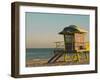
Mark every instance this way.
x=57 y=55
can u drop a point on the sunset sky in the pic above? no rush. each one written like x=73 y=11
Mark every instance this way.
x=42 y=28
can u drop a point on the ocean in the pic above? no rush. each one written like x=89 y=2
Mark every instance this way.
x=39 y=53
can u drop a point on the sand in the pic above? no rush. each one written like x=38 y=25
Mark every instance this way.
x=60 y=62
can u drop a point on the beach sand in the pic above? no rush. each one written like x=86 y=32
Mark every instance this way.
x=60 y=62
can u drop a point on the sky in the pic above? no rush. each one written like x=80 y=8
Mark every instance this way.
x=41 y=29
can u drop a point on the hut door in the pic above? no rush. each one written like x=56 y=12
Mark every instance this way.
x=69 y=42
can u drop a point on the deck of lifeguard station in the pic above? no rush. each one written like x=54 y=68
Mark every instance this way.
x=60 y=55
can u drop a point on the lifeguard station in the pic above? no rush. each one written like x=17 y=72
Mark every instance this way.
x=74 y=44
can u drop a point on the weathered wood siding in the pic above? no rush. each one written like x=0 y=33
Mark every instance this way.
x=79 y=41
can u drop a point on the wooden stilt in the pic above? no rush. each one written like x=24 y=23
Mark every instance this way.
x=65 y=57
x=78 y=57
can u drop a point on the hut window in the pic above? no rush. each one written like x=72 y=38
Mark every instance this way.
x=69 y=38
x=81 y=47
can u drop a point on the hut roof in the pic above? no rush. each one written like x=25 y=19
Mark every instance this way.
x=72 y=29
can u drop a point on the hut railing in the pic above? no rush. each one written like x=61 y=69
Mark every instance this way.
x=61 y=45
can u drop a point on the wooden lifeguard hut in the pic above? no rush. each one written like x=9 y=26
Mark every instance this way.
x=74 y=38
x=74 y=42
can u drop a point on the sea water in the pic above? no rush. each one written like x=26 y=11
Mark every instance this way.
x=39 y=53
